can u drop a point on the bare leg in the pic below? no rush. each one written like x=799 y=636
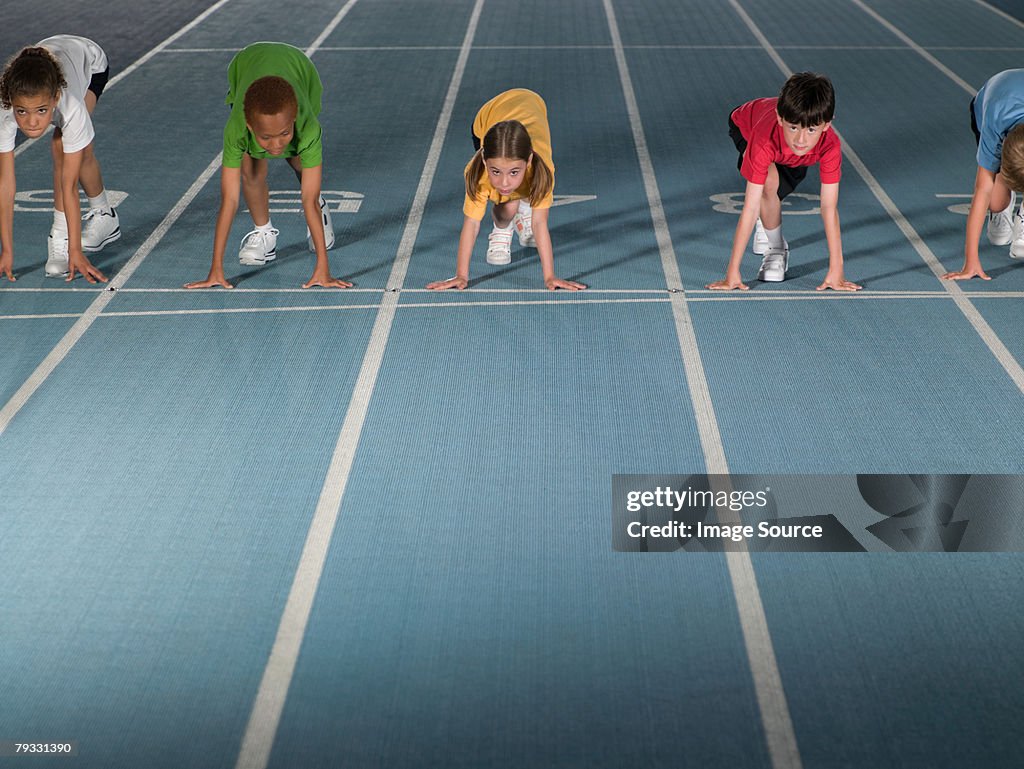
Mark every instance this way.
x=771 y=206
x=255 y=190
x=296 y=166
x=503 y=213
x=1000 y=195
x=57 y=151
x=90 y=177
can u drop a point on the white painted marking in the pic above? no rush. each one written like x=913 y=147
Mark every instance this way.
x=953 y=288
x=771 y=698
x=1001 y=13
x=277 y=676
x=568 y=200
x=41 y=201
x=732 y=203
x=135 y=65
x=70 y=339
x=338 y=201
x=961 y=209
x=917 y=48
x=637 y=297
x=638 y=46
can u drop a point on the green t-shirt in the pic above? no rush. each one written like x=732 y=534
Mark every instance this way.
x=285 y=61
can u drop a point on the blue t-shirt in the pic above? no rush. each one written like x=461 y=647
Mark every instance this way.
x=998 y=107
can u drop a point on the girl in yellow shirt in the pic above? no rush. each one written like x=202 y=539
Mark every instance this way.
x=512 y=169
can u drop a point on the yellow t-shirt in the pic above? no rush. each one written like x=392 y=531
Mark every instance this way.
x=529 y=109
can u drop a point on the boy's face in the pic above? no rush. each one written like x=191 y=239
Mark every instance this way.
x=802 y=139
x=34 y=113
x=273 y=132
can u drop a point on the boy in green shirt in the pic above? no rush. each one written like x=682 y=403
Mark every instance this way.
x=274 y=94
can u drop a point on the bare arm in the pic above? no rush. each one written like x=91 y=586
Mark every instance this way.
x=467 y=239
x=77 y=261
x=830 y=218
x=744 y=228
x=7 y=187
x=311 y=180
x=230 y=179
x=984 y=181
x=542 y=237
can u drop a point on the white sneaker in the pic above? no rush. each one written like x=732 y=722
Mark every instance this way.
x=523 y=222
x=99 y=227
x=1000 y=224
x=259 y=247
x=325 y=218
x=56 y=257
x=499 y=246
x=774 y=265
x=760 y=243
x=1017 y=244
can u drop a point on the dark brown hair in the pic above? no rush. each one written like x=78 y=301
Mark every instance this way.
x=31 y=71
x=270 y=95
x=807 y=99
x=509 y=139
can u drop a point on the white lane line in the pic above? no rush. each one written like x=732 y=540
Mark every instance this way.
x=953 y=288
x=1000 y=12
x=331 y=26
x=694 y=294
x=277 y=676
x=70 y=339
x=140 y=61
x=44 y=316
x=343 y=307
x=767 y=680
x=916 y=48
x=703 y=297
x=636 y=46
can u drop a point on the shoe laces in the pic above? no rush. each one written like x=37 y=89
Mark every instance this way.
x=92 y=213
x=260 y=236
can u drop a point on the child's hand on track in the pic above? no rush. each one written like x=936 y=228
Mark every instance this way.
x=441 y=285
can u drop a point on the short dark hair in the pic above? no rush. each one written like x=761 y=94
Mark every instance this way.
x=31 y=71
x=807 y=99
x=270 y=95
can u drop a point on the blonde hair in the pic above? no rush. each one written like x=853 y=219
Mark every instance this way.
x=1011 y=162
x=509 y=139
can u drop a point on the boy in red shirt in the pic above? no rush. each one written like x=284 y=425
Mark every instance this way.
x=777 y=140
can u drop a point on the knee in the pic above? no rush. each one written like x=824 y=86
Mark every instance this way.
x=254 y=176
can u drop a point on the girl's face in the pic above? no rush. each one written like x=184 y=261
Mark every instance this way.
x=34 y=113
x=506 y=174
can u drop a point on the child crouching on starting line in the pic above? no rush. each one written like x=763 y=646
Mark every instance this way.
x=512 y=168
x=778 y=138
x=58 y=82
x=274 y=94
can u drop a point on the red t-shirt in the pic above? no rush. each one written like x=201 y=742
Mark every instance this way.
x=758 y=122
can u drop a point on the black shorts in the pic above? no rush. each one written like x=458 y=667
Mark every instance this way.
x=974 y=125
x=789 y=176
x=99 y=82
